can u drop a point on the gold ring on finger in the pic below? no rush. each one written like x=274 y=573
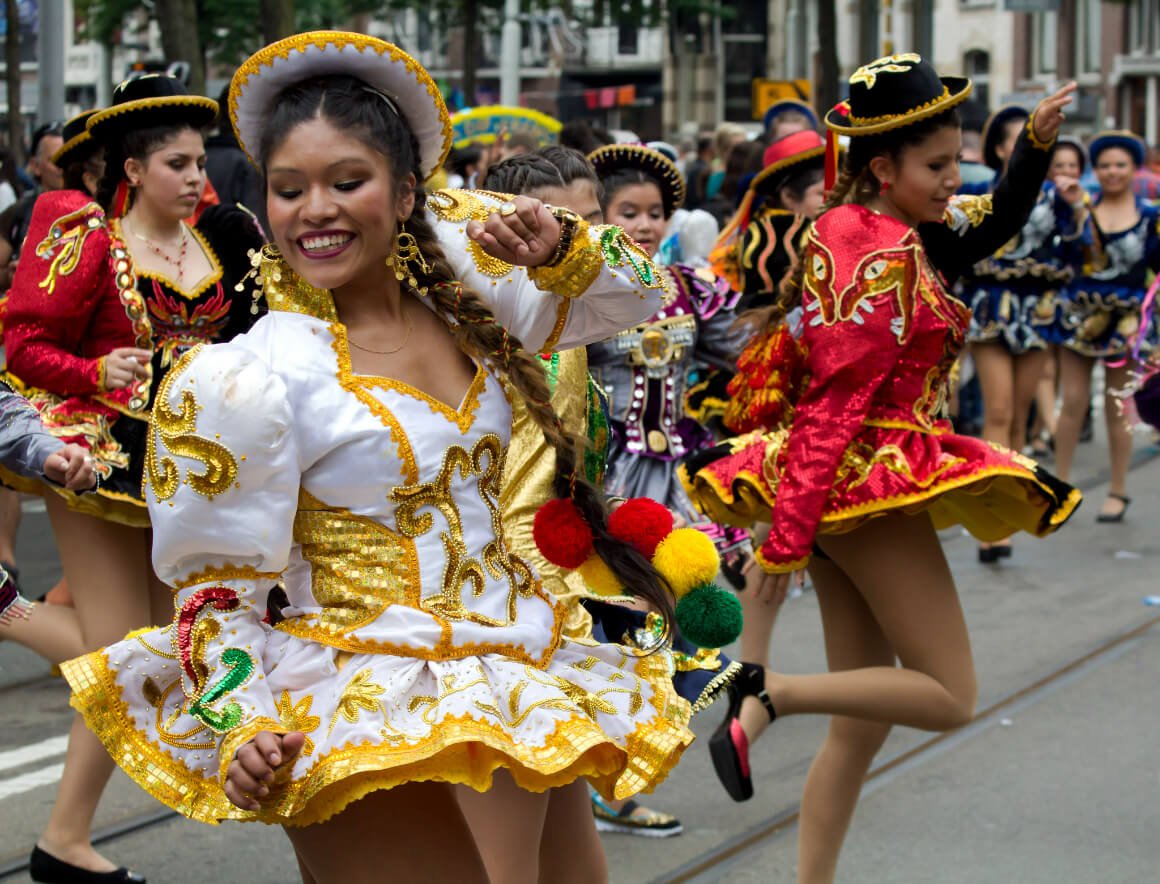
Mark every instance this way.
x=507 y=209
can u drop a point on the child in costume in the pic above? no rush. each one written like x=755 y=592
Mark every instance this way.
x=351 y=446
x=108 y=295
x=645 y=370
x=849 y=460
x=1013 y=296
x=1106 y=312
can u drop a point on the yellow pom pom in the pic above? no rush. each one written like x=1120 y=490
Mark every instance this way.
x=687 y=558
x=600 y=578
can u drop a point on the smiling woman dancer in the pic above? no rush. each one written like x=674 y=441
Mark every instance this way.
x=860 y=463
x=351 y=446
x=107 y=296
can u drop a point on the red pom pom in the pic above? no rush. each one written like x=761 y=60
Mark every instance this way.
x=561 y=534
x=642 y=522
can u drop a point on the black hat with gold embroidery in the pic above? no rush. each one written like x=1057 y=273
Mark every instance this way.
x=895 y=91
x=612 y=158
x=151 y=100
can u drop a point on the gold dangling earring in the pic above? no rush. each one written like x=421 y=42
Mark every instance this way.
x=406 y=258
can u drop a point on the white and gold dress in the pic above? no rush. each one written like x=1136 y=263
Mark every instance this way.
x=416 y=645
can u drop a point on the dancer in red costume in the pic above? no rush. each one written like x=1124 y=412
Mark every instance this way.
x=849 y=459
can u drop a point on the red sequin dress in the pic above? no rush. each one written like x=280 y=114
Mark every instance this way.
x=863 y=434
x=77 y=296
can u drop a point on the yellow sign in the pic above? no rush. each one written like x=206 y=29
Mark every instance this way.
x=768 y=92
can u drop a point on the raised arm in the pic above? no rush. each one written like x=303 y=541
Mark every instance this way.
x=222 y=478
x=591 y=283
x=975 y=227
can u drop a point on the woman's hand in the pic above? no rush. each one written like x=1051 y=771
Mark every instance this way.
x=256 y=764
x=1070 y=189
x=125 y=365
x=1049 y=115
x=72 y=467
x=769 y=588
x=522 y=232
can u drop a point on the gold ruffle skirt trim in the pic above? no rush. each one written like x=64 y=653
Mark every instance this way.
x=461 y=750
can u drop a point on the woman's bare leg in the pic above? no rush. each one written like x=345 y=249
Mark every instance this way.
x=507 y=823
x=1046 y=394
x=414 y=832
x=1028 y=369
x=996 y=370
x=760 y=611
x=1119 y=436
x=1075 y=383
x=898 y=566
x=853 y=641
x=570 y=848
x=106 y=565
x=52 y=631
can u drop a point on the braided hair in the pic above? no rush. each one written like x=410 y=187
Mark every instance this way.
x=351 y=106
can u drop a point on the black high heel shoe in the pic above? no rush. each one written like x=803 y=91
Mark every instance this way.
x=729 y=747
x=47 y=869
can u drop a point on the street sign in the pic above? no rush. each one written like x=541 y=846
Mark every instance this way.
x=766 y=92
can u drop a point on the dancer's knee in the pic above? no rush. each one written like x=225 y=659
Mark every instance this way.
x=958 y=710
x=858 y=738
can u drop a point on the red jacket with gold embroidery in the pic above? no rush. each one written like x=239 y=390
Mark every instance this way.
x=64 y=310
x=880 y=331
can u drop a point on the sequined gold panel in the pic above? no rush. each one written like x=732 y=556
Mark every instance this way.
x=358 y=567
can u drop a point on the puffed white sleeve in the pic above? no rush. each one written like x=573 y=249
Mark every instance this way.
x=603 y=284
x=222 y=479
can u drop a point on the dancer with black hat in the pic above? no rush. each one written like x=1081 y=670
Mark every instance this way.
x=856 y=469
x=1109 y=310
x=351 y=447
x=108 y=295
x=1014 y=295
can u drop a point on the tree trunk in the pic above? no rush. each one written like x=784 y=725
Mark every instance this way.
x=12 y=79
x=470 y=49
x=177 y=20
x=277 y=20
x=829 y=89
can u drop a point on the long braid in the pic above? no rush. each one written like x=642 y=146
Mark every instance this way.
x=479 y=334
x=351 y=106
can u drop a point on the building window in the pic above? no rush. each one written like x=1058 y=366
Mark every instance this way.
x=977 y=66
x=1088 y=39
x=924 y=27
x=869 y=45
x=1044 y=43
x=1144 y=28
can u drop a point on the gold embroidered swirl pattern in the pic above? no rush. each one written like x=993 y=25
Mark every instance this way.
x=485 y=460
x=65 y=243
x=176 y=428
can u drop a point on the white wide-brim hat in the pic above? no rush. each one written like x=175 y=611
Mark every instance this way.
x=379 y=64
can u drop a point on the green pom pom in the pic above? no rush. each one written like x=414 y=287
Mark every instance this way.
x=709 y=617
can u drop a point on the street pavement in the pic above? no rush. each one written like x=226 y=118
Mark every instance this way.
x=1055 y=782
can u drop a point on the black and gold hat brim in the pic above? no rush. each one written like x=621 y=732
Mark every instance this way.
x=381 y=65
x=993 y=129
x=770 y=179
x=144 y=113
x=612 y=158
x=956 y=90
x=76 y=150
x=1121 y=138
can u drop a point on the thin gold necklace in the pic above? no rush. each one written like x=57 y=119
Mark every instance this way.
x=406 y=338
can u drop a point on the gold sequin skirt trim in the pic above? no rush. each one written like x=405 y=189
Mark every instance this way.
x=460 y=749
